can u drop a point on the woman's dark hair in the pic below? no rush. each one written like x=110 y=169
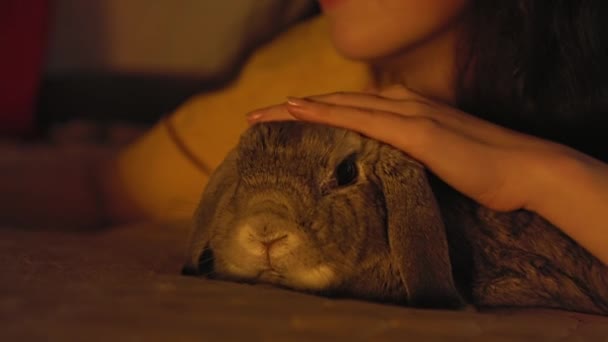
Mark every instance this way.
x=541 y=67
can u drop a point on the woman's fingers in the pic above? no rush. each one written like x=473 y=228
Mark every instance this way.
x=315 y=108
x=408 y=104
x=373 y=123
x=377 y=124
x=403 y=101
x=395 y=100
x=272 y=113
x=358 y=112
x=313 y=111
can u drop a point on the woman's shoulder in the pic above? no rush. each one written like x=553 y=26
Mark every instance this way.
x=161 y=171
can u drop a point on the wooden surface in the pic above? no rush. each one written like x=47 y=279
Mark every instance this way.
x=123 y=284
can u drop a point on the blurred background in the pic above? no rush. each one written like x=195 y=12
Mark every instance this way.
x=86 y=69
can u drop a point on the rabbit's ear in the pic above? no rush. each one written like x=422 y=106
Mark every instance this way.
x=417 y=237
x=221 y=183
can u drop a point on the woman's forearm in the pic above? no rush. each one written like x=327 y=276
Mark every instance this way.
x=53 y=187
x=46 y=187
x=572 y=193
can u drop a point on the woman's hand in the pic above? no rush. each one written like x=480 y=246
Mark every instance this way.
x=491 y=164
x=499 y=168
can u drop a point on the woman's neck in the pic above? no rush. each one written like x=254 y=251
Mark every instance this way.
x=428 y=68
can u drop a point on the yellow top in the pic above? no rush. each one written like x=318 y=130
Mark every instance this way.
x=159 y=178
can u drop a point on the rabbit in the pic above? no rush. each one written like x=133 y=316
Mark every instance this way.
x=328 y=211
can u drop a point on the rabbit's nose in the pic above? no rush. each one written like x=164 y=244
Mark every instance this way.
x=266 y=243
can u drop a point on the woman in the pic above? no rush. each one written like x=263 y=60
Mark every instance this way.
x=503 y=100
x=534 y=66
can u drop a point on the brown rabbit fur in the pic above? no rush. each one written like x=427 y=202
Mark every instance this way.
x=325 y=210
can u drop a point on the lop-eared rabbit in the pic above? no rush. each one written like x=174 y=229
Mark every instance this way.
x=328 y=211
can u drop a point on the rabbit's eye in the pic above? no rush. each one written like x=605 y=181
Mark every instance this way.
x=346 y=172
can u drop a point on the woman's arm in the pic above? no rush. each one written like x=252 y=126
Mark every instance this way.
x=52 y=187
x=572 y=193
x=82 y=186
x=499 y=168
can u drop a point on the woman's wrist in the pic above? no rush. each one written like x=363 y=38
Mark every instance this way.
x=558 y=174
x=571 y=192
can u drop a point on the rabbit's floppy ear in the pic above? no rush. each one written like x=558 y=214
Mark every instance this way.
x=221 y=184
x=417 y=238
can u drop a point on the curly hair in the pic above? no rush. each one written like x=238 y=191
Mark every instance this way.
x=540 y=67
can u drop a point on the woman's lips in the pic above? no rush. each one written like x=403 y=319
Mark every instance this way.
x=329 y=4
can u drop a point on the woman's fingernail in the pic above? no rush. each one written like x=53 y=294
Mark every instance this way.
x=297 y=102
x=254 y=116
x=298 y=106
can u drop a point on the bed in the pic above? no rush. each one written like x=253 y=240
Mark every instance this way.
x=124 y=283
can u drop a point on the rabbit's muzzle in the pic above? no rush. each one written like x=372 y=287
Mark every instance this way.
x=265 y=244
